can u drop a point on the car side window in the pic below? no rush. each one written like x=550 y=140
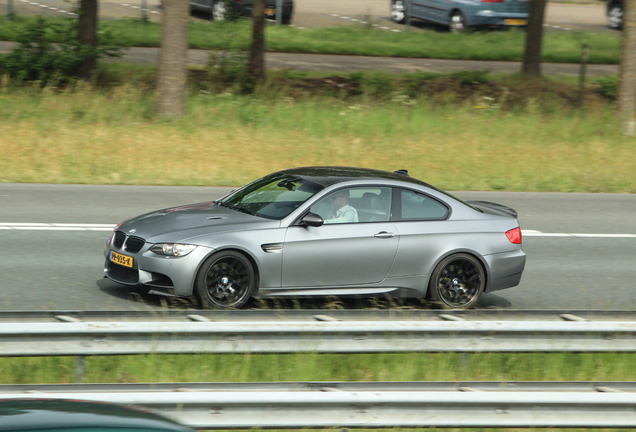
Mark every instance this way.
x=355 y=205
x=416 y=206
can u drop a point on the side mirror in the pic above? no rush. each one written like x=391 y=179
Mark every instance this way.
x=312 y=219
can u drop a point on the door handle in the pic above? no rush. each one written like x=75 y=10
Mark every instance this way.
x=384 y=235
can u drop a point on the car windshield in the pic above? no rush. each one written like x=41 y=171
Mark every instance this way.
x=274 y=196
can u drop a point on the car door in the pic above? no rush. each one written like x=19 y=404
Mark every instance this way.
x=425 y=233
x=344 y=252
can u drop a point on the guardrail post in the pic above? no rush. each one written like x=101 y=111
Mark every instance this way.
x=279 y=12
x=79 y=368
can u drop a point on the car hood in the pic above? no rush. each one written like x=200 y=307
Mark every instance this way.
x=176 y=224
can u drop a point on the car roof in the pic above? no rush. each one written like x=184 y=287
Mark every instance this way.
x=330 y=175
x=63 y=414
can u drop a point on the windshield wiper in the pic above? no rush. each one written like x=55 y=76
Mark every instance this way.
x=241 y=209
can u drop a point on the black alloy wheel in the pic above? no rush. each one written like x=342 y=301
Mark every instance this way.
x=226 y=280
x=457 y=282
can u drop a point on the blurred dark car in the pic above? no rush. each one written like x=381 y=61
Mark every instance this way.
x=615 y=14
x=463 y=14
x=222 y=10
x=52 y=415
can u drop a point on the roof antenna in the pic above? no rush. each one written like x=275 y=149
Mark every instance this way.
x=402 y=172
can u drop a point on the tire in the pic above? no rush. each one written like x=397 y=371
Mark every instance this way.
x=219 y=10
x=286 y=20
x=457 y=23
x=615 y=16
x=398 y=11
x=226 y=280
x=457 y=282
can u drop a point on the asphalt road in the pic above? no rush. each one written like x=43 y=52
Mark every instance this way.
x=578 y=254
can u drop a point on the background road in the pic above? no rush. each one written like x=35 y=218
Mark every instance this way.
x=61 y=269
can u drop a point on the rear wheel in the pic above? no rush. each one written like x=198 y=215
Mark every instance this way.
x=457 y=22
x=398 y=11
x=457 y=282
x=615 y=16
x=219 y=10
x=226 y=280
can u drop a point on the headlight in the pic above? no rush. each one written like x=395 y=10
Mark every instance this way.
x=172 y=249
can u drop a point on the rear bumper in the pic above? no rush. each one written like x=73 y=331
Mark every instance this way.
x=505 y=269
x=499 y=19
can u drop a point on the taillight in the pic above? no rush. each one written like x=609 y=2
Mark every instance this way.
x=514 y=235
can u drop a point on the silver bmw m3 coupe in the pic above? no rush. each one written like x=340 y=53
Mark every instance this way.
x=322 y=231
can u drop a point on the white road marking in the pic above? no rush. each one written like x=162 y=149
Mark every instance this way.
x=55 y=227
x=31 y=226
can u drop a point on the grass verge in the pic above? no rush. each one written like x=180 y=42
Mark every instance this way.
x=324 y=367
x=558 y=47
x=459 y=132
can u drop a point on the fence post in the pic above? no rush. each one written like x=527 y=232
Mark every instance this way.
x=584 y=54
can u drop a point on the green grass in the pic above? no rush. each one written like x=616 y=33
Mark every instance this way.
x=324 y=367
x=524 y=136
x=559 y=47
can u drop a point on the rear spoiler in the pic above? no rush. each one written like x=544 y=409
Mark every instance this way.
x=497 y=208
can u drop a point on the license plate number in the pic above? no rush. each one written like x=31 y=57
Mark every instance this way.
x=270 y=11
x=516 y=22
x=120 y=259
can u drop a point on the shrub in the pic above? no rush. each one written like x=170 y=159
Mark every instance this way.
x=36 y=58
x=608 y=86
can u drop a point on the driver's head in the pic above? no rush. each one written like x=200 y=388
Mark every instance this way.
x=340 y=199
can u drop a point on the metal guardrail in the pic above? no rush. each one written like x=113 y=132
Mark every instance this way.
x=108 y=338
x=368 y=405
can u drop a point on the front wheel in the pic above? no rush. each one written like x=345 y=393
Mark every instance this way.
x=615 y=17
x=457 y=22
x=398 y=11
x=457 y=282
x=226 y=280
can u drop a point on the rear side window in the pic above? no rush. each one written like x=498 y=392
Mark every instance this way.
x=415 y=206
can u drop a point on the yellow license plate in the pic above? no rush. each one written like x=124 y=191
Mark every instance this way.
x=270 y=11
x=120 y=259
x=514 y=22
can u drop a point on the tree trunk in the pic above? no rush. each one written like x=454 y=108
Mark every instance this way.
x=171 y=81
x=534 y=36
x=87 y=35
x=627 y=86
x=257 y=53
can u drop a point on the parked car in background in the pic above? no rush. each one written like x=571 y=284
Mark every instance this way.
x=322 y=231
x=615 y=14
x=62 y=415
x=461 y=15
x=221 y=10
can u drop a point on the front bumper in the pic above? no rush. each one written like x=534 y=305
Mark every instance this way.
x=166 y=274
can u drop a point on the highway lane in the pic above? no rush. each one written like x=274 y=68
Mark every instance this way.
x=43 y=269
